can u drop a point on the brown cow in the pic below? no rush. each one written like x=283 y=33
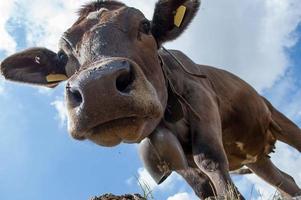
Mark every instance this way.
x=123 y=87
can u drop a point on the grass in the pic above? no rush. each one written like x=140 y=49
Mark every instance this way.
x=232 y=194
x=146 y=189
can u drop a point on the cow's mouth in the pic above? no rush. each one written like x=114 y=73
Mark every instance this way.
x=113 y=132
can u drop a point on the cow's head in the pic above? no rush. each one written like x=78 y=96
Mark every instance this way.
x=115 y=91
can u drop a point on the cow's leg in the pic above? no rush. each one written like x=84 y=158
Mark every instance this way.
x=265 y=169
x=207 y=145
x=211 y=159
x=199 y=182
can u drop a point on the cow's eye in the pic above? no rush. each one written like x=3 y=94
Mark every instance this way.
x=62 y=58
x=145 y=27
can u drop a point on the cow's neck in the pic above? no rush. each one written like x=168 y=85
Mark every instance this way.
x=175 y=73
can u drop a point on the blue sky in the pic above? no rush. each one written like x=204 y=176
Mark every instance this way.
x=258 y=40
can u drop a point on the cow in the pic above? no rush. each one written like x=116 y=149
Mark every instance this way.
x=124 y=86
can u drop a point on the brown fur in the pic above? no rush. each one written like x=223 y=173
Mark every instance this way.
x=121 y=88
x=93 y=6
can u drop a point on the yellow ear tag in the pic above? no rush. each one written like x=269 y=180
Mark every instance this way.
x=56 y=78
x=180 y=15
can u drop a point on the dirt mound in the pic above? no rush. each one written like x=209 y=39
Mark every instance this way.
x=123 y=197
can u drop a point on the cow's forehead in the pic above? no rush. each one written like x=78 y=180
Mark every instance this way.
x=96 y=5
x=96 y=14
x=121 y=16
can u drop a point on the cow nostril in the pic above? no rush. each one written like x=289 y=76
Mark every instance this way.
x=124 y=81
x=75 y=97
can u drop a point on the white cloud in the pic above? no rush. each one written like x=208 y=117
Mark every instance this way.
x=265 y=190
x=286 y=97
x=171 y=184
x=7 y=43
x=1 y=86
x=247 y=38
x=146 y=6
x=182 y=196
x=145 y=178
x=62 y=111
x=46 y=27
x=45 y=91
x=46 y=22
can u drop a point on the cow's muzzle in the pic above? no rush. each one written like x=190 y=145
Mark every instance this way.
x=111 y=101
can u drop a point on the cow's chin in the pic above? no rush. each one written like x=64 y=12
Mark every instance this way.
x=112 y=133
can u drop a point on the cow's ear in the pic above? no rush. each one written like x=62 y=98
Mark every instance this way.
x=171 y=18
x=37 y=66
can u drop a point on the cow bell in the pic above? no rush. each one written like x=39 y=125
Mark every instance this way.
x=162 y=153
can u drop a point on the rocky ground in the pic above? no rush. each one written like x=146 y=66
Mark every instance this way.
x=123 y=197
